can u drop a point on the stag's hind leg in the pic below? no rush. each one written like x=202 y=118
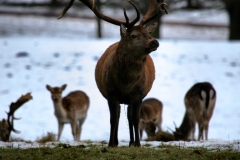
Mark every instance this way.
x=114 y=108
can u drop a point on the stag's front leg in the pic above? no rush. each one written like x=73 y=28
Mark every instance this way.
x=114 y=108
x=136 y=115
x=130 y=123
x=133 y=120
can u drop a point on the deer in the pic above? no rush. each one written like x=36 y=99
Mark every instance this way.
x=150 y=117
x=7 y=125
x=124 y=74
x=69 y=109
x=200 y=102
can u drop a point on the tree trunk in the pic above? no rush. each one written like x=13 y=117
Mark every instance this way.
x=99 y=24
x=233 y=9
x=189 y=4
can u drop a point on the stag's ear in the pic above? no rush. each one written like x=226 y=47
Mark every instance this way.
x=123 y=30
x=151 y=28
x=64 y=87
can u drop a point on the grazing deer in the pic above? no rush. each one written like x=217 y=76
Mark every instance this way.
x=69 y=109
x=125 y=72
x=200 y=102
x=7 y=125
x=150 y=117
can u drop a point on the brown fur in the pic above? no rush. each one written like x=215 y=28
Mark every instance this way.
x=69 y=109
x=200 y=102
x=125 y=74
x=4 y=131
x=150 y=117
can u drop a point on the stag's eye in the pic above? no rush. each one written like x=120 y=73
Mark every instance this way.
x=134 y=36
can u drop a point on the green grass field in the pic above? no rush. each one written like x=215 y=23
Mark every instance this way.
x=101 y=151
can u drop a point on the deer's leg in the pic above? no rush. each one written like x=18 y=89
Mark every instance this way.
x=60 y=128
x=74 y=127
x=136 y=106
x=81 y=121
x=130 y=123
x=200 y=130
x=116 y=131
x=206 y=130
x=114 y=108
x=141 y=132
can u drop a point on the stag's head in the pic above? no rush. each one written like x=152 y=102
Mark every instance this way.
x=7 y=125
x=132 y=35
x=56 y=92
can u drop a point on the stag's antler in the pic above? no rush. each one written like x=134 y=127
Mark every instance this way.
x=13 y=107
x=154 y=9
x=100 y=15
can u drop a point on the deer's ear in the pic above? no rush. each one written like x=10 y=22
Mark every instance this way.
x=123 y=30
x=142 y=122
x=48 y=87
x=151 y=28
x=64 y=87
x=154 y=120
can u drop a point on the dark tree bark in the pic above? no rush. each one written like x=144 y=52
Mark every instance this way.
x=99 y=22
x=233 y=9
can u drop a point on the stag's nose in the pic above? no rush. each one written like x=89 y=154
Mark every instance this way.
x=154 y=43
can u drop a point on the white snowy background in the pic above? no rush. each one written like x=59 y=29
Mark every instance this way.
x=66 y=51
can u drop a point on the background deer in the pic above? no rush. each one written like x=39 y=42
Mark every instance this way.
x=150 y=117
x=125 y=72
x=7 y=125
x=69 y=109
x=200 y=102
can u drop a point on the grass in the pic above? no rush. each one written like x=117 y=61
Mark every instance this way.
x=50 y=149
x=92 y=151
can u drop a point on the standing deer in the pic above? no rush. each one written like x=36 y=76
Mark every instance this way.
x=200 y=102
x=150 y=117
x=125 y=72
x=69 y=109
x=7 y=125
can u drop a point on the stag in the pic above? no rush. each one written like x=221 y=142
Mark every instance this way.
x=7 y=126
x=125 y=72
x=200 y=103
x=150 y=117
x=69 y=109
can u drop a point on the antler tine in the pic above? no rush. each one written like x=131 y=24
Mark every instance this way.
x=175 y=124
x=11 y=128
x=138 y=15
x=154 y=9
x=66 y=9
x=13 y=107
x=100 y=15
x=125 y=15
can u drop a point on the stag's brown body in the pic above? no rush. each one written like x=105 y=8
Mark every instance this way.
x=200 y=103
x=150 y=117
x=125 y=72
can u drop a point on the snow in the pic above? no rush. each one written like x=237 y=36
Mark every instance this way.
x=67 y=53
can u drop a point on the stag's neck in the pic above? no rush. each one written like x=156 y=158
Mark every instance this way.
x=131 y=54
x=59 y=110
